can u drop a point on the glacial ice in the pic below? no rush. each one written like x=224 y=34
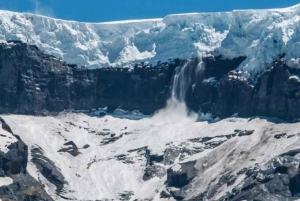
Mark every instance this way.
x=261 y=35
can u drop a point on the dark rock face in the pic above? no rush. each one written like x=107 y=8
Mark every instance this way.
x=35 y=83
x=13 y=164
x=126 y=195
x=164 y=194
x=274 y=94
x=15 y=160
x=71 y=148
x=182 y=175
x=154 y=171
x=32 y=82
x=48 y=169
x=24 y=188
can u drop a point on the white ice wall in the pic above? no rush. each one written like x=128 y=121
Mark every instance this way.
x=261 y=35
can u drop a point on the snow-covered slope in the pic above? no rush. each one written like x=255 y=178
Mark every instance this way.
x=261 y=35
x=113 y=152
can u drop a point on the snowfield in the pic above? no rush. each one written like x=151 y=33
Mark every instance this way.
x=116 y=159
x=261 y=35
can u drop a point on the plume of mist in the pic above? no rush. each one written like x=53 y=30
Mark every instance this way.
x=42 y=9
x=175 y=111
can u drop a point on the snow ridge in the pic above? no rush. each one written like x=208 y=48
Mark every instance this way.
x=261 y=35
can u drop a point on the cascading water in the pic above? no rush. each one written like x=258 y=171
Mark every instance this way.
x=176 y=109
x=183 y=77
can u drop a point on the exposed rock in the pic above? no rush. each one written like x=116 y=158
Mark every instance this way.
x=176 y=194
x=281 y=183
x=13 y=165
x=24 y=188
x=141 y=149
x=15 y=160
x=111 y=139
x=32 y=83
x=171 y=153
x=154 y=171
x=245 y=133
x=278 y=136
x=124 y=159
x=70 y=147
x=213 y=144
x=272 y=94
x=86 y=146
x=48 y=169
x=156 y=158
x=126 y=195
x=42 y=84
x=227 y=179
x=164 y=194
x=290 y=136
x=6 y=127
x=181 y=174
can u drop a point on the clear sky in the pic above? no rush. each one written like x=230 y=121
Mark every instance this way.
x=111 y=10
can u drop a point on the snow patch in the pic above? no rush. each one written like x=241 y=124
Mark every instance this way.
x=5 y=181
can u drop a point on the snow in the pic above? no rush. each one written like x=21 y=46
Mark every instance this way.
x=104 y=176
x=6 y=139
x=5 y=181
x=261 y=35
x=176 y=168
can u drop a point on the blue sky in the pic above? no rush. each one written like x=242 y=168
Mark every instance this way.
x=111 y=10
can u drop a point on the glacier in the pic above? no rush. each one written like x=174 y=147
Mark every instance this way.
x=261 y=35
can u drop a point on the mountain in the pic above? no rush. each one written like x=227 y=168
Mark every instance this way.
x=201 y=106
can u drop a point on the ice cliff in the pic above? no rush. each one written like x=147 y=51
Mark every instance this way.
x=261 y=35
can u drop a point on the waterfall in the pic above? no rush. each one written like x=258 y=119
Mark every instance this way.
x=183 y=77
x=176 y=109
